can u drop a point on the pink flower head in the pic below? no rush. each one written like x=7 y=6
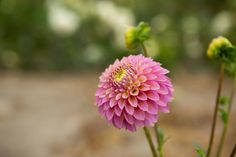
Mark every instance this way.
x=132 y=91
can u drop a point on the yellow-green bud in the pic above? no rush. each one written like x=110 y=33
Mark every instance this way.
x=130 y=38
x=137 y=35
x=217 y=46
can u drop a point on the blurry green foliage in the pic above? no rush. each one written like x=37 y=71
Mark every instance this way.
x=181 y=30
x=222 y=110
x=200 y=151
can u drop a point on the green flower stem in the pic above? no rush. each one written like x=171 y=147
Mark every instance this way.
x=232 y=94
x=147 y=133
x=233 y=151
x=144 y=50
x=149 y=139
x=221 y=79
x=160 y=148
x=222 y=138
x=219 y=149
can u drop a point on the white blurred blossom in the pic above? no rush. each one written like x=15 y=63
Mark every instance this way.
x=93 y=53
x=118 y=18
x=160 y=22
x=85 y=8
x=221 y=23
x=62 y=20
x=194 y=48
x=190 y=25
x=191 y=29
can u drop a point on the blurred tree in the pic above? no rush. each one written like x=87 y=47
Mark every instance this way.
x=182 y=30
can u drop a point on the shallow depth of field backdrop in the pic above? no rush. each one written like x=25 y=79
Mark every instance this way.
x=52 y=52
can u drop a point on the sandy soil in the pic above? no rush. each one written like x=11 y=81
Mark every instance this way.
x=52 y=115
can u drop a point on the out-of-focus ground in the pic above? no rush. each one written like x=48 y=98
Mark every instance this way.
x=53 y=115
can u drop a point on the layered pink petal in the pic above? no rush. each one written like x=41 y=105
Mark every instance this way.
x=133 y=101
x=139 y=114
x=132 y=91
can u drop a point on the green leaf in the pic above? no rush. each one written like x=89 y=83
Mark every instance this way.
x=200 y=150
x=224 y=100
x=161 y=136
x=223 y=116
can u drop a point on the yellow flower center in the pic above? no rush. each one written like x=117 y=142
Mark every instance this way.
x=119 y=75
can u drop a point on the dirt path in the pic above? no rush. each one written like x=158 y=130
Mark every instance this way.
x=54 y=116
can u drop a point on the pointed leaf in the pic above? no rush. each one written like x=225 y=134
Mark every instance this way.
x=200 y=150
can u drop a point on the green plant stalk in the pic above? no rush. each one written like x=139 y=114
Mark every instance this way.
x=222 y=139
x=144 y=50
x=221 y=79
x=149 y=139
x=159 y=148
x=233 y=151
x=219 y=149
x=147 y=133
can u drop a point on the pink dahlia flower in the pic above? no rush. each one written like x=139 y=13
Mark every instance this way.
x=132 y=91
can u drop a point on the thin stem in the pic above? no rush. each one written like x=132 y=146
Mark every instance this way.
x=147 y=133
x=233 y=151
x=144 y=50
x=222 y=139
x=221 y=79
x=160 y=150
x=219 y=149
x=149 y=139
x=232 y=94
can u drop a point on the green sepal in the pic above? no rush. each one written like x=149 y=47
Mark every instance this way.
x=227 y=54
x=135 y=36
x=143 y=32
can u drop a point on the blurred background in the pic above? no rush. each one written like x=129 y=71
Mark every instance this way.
x=53 y=51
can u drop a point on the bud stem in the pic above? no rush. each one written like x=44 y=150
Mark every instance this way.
x=222 y=138
x=149 y=139
x=147 y=133
x=221 y=79
x=233 y=151
x=144 y=50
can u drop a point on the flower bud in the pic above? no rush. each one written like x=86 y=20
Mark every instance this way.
x=130 y=38
x=137 y=35
x=221 y=49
